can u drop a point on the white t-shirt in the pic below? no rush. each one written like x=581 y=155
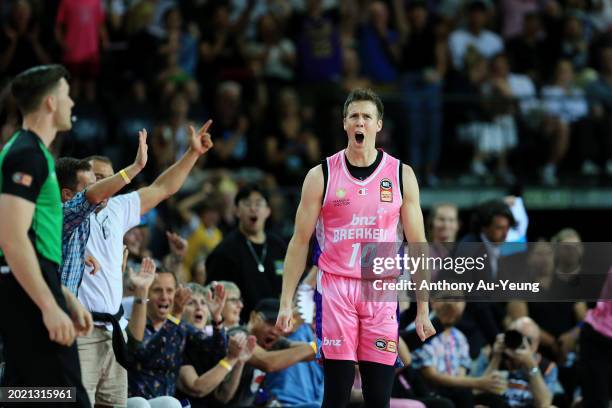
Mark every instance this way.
x=487 y=43
x=103 y=291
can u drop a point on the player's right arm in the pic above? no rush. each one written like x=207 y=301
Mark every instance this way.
x=22 y=179
x=297 y=251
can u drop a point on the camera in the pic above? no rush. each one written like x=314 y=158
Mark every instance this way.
x=513 y=339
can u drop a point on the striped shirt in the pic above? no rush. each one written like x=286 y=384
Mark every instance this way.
x=74 y=238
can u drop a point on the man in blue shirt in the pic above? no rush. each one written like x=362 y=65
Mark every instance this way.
x=81 y=195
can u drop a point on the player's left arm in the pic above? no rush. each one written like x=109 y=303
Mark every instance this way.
x=414 y=230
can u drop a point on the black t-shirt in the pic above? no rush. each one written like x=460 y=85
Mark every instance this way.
x=233 y=261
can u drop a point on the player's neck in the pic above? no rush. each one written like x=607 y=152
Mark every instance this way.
x=362 y=158
x=39 y=125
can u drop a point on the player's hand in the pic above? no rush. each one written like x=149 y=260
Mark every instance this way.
x=141 y=155
x=284 y=321
x=424 y=328
x=60 y=327
x=201 y=141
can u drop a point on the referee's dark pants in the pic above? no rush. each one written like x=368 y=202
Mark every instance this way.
x=32 y=360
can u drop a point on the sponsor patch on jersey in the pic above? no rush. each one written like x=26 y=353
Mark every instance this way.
x=386 y=191
x=362 y=191
x=22 y=178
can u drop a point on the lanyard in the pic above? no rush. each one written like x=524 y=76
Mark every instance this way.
x=258 y=260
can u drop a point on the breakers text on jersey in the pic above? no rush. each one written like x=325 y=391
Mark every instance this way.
x=376 y=234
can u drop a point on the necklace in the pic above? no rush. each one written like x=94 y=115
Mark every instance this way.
x=260 y=261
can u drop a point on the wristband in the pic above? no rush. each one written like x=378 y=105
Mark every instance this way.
x=313 y=344
x=219 y=323
x=223 y=363
x=124 y=176
x=174 y=319
x=141 y=301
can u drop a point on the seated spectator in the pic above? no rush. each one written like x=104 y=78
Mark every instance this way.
x=159 y=344
x=564 y=106
x=203 y=379
x=574 y=45
x=476 y=36
x=442 y=228
x=272 y=352
x=140 y=284
x=531 y=378
x=598 y=148
x=529 y=52
x=233 y=305
x=300 y=384
x=491 y=137
x=444 y=362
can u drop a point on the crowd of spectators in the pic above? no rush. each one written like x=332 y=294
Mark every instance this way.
x=492 y=90
x=488 y=90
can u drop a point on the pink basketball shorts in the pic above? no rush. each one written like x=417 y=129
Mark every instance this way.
x=351 y=328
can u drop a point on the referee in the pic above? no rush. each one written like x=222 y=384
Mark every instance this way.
x=39 y=318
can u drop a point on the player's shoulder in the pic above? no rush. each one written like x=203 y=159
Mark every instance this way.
x=315 y=173
x=26 y=143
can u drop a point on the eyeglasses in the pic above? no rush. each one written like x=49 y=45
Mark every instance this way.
x=254 y=203
x=234 y=300
x=103 y=226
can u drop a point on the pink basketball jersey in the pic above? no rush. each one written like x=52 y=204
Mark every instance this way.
x=357 y=211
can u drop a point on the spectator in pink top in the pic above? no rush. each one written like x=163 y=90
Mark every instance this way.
x=79 y=29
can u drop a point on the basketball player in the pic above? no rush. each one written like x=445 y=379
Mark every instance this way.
x=359 y=188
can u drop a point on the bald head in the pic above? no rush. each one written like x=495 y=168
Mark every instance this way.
x=528 y=328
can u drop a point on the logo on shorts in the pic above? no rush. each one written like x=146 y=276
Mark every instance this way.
x=386 y=345
x=386 y=191
x=331 y=342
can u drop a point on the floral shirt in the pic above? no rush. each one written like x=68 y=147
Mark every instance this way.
x=159 y=356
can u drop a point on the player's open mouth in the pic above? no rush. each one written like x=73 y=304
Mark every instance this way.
x=359 y=137
x=163 y=308
x=253 y=219
x=198 y=317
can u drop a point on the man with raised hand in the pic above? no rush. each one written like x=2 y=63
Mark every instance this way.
x=81 y=195
x=103 y=354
